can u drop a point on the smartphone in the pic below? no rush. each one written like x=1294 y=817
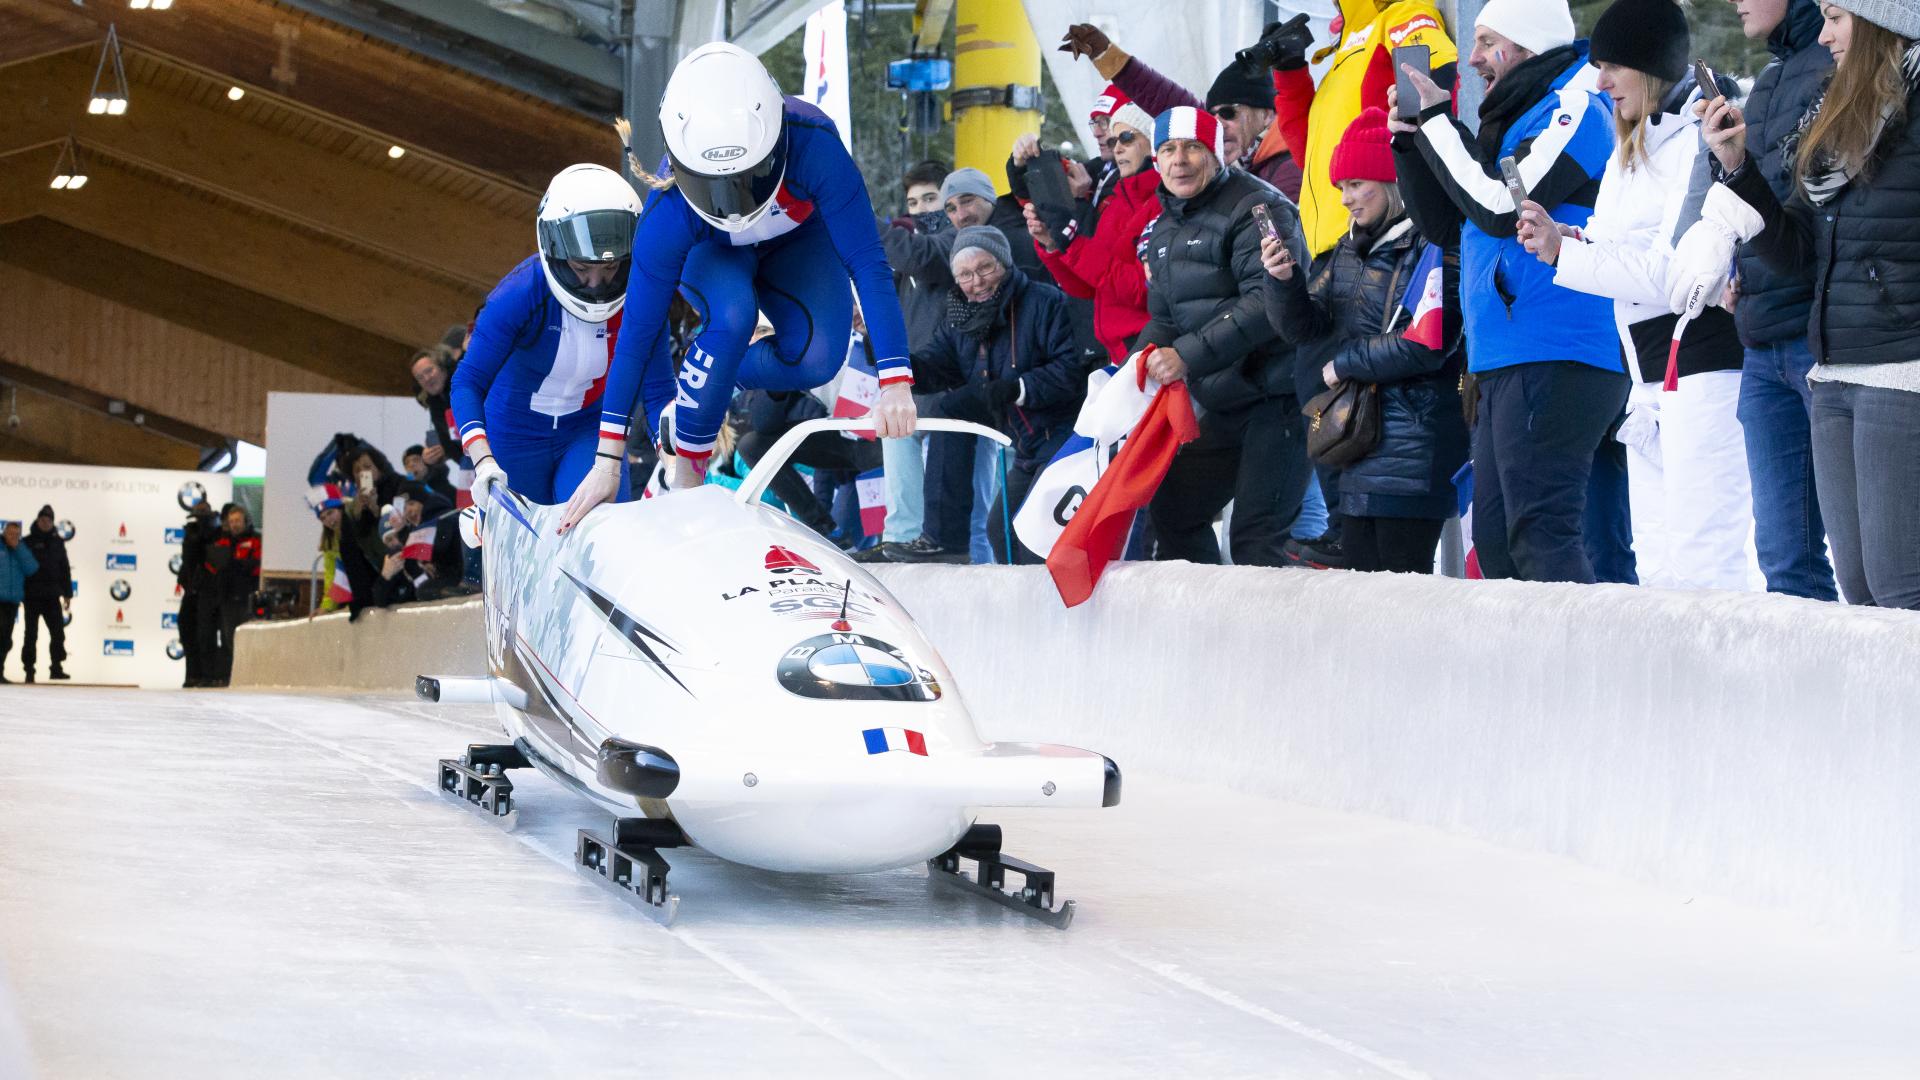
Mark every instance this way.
x=1419 y=58
x=1703 y=78
x=1264 y=219
x=1510 y=172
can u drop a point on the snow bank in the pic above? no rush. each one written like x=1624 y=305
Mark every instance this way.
x=1758 y=747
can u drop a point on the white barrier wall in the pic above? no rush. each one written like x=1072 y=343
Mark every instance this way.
x=124 y=533
x=300 y=426
x=1750 y=746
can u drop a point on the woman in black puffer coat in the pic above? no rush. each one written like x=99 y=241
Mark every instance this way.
x=1347 y=321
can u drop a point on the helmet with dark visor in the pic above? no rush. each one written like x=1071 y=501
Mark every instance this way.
x=593 y=236
x=740 y=194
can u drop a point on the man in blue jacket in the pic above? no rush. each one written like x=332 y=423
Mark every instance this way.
x=1551 y=378
x=17 y=564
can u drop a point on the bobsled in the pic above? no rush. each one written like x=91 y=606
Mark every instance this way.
x=718 y=675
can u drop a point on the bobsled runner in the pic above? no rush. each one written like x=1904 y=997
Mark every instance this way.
x=720 y=676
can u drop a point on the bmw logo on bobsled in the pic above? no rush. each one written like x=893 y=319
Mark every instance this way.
x=719 y=676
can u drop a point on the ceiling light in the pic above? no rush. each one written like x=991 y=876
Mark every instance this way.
x=396 y=151
x=68 y=173
x=234 y=93
x=162 y=5
x=109 y=99
x=138 y=5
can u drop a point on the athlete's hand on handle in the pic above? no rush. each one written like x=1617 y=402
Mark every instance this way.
x=895 y=416
x=486 y=473
x=601 y=484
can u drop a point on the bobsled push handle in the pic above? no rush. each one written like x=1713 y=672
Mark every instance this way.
x=776 y=457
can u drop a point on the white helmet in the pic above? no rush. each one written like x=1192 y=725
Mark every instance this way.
x=722 y=118
x=587 y=215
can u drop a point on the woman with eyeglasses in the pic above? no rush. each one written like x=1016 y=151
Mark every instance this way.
x=1101 y=266
x=1854 y=216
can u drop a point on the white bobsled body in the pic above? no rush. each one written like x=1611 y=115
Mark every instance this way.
x=785 y=703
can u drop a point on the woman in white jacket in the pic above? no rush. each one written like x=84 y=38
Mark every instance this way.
x=1686 y=456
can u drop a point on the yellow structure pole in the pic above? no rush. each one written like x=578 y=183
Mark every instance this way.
x=995 y=49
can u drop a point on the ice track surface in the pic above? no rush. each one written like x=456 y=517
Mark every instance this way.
x=246 y=885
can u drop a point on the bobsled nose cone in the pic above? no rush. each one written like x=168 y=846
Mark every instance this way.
x=637 y=770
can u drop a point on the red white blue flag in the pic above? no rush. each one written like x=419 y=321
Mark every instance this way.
x=419 y=546
x=871 y=486
x=1425 y=300
x=881 y=740
x=340 y=591
x=858 y=390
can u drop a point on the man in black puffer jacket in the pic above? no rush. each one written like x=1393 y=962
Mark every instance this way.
x=1772 y=313
x=1207 y=315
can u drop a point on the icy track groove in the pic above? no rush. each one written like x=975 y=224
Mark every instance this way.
x=245 y=884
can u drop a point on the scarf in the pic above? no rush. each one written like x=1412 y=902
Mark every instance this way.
x=1519 y=90
x=976 y=320
x=1828 y=178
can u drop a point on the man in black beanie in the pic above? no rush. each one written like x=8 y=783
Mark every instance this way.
x=1241 y=98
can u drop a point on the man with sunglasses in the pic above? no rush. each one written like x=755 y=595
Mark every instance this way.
x=1241 y=99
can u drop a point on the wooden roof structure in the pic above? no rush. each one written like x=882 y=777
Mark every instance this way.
x=227 y=245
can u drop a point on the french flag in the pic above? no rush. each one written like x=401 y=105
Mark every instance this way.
x=859 y=387
x=340 y=591
x=871 y=486
x=882 y=740
x=419 y=546
x=1425 y=300
x=1463 y=489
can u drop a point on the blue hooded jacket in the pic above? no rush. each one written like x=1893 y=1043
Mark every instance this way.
x=1547 y=115
x=17 y=564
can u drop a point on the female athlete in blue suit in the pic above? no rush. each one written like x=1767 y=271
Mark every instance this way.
x=527 y=395
x=764 y=212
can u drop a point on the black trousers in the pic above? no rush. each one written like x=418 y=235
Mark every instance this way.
x=45 y=610
x=218 y=618
x=9 y=610
x=827 y=450
x=1256 y=459
x=1538 y=431
x=1021 y=474
x=189 y=630
x=1395 y=545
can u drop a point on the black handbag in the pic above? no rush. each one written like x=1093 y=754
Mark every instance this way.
x=1343 y=424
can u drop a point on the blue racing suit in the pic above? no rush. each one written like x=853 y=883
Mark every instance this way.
x=794 y=264
x=531 y=383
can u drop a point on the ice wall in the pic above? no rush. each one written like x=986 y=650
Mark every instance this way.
x=1754 y=746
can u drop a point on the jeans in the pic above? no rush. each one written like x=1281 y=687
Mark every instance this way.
x=1866 y=452
x=1775 y=410
x=1318 y=507
x=906 y=488
x=1255 y=458
x=1539 y=427
x=986 y=495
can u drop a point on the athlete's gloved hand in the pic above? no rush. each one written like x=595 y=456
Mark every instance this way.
x=1703 y=259
x=895 y=415
x=601 y=484
x=486 y=473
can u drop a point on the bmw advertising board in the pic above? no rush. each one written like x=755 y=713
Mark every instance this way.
x=123 y=527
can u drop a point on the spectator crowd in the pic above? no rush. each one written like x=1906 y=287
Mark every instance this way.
x=1635 y=321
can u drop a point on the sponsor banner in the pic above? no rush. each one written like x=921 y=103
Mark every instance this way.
x=123 y=529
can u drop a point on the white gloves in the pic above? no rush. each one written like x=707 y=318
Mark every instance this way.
x=1703 y=259
x=486 y=474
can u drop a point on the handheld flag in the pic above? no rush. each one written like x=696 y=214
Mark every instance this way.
x=1425 y=301
x=340 y=591
x=419 y=545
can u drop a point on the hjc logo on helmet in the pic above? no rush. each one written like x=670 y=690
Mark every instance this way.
x=723 y=153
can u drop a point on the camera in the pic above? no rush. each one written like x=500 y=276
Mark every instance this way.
x=1289 y=38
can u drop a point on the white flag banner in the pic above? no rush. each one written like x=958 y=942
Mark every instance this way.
x=826 y=56
x=1115 y=403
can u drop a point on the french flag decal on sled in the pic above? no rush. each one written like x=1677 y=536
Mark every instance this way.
x=882 y=739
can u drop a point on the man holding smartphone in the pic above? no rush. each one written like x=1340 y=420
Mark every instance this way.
x=1551 y=380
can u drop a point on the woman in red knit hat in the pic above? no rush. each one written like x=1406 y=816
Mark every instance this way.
x=1377 y=309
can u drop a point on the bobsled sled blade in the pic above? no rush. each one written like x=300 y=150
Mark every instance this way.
x=981 y=844
x=634 y=872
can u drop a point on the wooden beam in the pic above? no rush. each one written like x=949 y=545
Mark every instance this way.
x=36 y=32
x=245 y=249
x=400 y=95
x=53 y=430
x=197 y=301
x=139 y=417
x=212 y=148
